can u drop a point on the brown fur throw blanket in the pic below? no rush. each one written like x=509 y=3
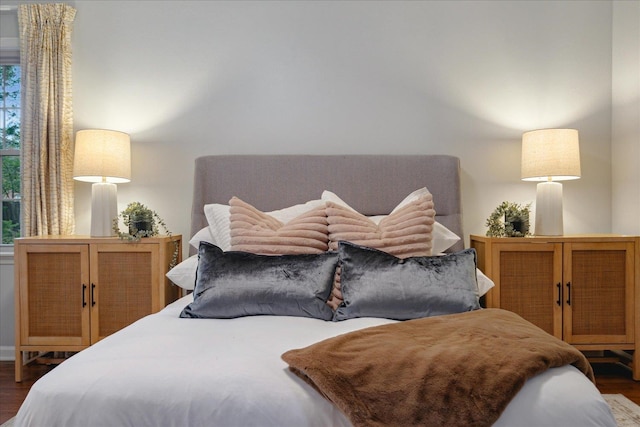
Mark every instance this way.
x=454 y=370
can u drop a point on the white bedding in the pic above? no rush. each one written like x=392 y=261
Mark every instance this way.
x=168 y=371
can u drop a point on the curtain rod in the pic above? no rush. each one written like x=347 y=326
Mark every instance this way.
x=8 y=8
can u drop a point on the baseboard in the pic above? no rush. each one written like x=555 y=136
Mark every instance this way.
x=6 y=258
x=7 y=353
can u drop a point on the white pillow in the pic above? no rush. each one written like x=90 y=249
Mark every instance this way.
x=442 y=237
x=484 y=283
x=204 y=235
x=219 y=225
x=184 y=274
x=218 y=217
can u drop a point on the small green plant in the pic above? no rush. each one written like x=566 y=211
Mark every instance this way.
x=142 y=222
x=509 y=220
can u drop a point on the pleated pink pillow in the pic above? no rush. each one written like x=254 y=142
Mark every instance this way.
x=254 y=231
x=404 y=233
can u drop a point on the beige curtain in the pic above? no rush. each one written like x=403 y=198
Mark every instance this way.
x=47 y=119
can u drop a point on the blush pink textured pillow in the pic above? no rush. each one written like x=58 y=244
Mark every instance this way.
x=404 y=233
x=254 y=231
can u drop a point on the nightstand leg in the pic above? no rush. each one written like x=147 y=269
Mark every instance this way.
x=18 y=366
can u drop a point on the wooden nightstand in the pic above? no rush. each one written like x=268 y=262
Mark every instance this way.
x=72 y=291
x=583 y=289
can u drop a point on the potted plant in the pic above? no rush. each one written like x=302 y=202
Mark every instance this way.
x=142 y=222
x=509 y=220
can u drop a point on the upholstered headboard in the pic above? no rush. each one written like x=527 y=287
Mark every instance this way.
x=371 y=184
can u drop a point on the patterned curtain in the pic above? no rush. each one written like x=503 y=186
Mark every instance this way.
x=47 y=119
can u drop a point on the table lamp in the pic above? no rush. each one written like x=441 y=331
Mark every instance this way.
x=104 y=158
x=550 y=155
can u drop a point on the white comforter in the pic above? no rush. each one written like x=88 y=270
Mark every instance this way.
x=167 y=371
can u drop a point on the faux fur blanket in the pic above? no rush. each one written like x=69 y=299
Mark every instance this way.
x=454 y=370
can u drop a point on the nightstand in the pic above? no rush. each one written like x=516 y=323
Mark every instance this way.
x=582 y=289
x=72 y=291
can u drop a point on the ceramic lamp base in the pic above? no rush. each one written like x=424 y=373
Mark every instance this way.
x=104 y=209
x=549 y=209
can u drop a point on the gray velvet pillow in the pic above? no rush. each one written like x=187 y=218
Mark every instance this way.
x=377 y=284
x=234 y=284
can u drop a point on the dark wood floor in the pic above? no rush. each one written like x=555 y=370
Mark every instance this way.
x=613 y=379
x=610 y=379
x=12 y=393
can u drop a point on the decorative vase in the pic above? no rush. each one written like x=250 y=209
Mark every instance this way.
x=516 y=226
x=140 y=222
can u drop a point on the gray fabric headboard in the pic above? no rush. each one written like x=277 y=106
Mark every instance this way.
x=371 y=184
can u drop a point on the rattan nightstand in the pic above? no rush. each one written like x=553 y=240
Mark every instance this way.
x=72 y=291
x=582 y=289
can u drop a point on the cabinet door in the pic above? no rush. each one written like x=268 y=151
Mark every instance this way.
x=53 y=294
x=122 y=278
x=527 y=279
x=598 y=282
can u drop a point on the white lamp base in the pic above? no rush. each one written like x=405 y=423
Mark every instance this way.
x=104 y=209
x=549 y=209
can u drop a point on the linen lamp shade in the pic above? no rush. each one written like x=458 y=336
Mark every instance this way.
x=102 y=155
x=550 y=155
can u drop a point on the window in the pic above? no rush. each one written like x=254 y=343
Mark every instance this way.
x=10 y=151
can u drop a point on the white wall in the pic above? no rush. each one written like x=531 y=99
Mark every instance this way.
x=625 y=144
x=187 y=79
x=190 y=78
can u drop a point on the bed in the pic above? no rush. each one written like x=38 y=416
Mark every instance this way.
x=257 y=368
